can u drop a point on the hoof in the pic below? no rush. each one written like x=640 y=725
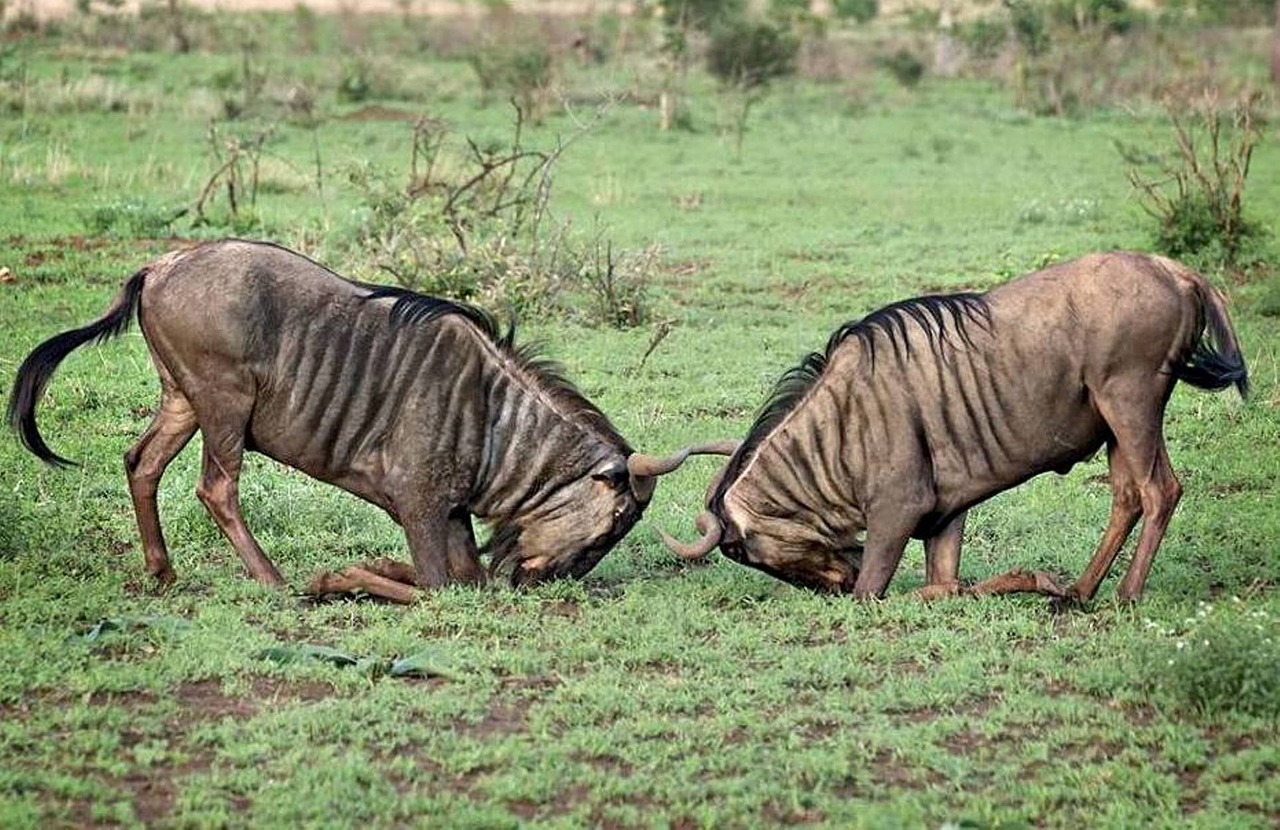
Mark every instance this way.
x=161 y=580
x=1046 y=584
x=323 y=583
x=1065 y=601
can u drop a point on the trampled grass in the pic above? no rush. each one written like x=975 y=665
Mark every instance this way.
x=651 y=693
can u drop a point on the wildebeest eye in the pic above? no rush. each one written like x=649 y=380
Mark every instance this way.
x=616 y=477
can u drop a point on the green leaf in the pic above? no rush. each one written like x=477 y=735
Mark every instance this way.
x=108 y=625
x=307 y=652
x=422 y=664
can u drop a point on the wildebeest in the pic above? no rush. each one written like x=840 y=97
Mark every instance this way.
x=416 y=404
x=925 y=408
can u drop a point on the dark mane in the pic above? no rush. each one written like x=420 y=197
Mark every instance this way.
x=411 y=309
x=938 y=316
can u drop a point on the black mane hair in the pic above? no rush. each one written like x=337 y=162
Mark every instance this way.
x=939 y=316
x=412 y=308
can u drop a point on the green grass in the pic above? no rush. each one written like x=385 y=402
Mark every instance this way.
x=651 y=693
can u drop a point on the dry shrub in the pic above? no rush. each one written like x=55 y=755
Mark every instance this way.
x=1195 y=190
x=475 y=226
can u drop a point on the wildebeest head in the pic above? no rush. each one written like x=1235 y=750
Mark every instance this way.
x=573 y=527
x=578 y=522
x=753 y=529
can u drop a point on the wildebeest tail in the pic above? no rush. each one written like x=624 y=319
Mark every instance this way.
x=35 y=371
x=1215 y=361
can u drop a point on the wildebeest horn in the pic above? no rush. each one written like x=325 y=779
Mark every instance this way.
x=708 y=525
x=645 y=469
x=644 y=465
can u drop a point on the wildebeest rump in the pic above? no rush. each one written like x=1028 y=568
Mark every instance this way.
x=416 y=404
x=925 y=408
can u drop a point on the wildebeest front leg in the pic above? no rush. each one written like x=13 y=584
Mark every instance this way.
x=942 y=560
x=395 y=583
x=398 y=581
x=942 y=569
x=880 y=559
x=463 y=556
x=1017 y=582
x=427 y=528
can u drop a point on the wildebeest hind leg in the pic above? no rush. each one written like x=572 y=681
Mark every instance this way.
x=1126 y=508
x=1160 y=491
x=145 y=462
x=219 y=490
x=1134 y=411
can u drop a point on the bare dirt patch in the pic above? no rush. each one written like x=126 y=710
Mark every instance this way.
x=153 y=790
x=891 y=771
x=380 y=112
x=777 y=814
x=205 y=699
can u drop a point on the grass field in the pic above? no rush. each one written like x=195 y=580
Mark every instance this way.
x=652 y=692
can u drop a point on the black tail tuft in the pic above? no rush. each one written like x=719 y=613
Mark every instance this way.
x=38 y=368
x=1209 y=369
x=1215 y=361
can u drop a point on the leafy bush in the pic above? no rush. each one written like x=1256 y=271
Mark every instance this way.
x=521 y=68
x=858 y=11
x=1224 y=659
x=1268 y=304
x=905 y=66
x=618 y=285
x=1228 y=12
x=788 y=9
x=355 y=83
x=701 y=15
x=1113 y=16
x=983 y=37
x=1030 y=26
x=1196 y=190
x=749 y=55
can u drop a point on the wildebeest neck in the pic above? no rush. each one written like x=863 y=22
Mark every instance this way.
x=941 y=318
x=541 y=431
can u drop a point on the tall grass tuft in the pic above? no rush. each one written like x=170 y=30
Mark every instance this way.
x=1223 y=659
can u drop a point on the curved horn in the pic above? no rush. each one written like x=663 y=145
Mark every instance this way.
x=645 y=468
x=708 y=525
